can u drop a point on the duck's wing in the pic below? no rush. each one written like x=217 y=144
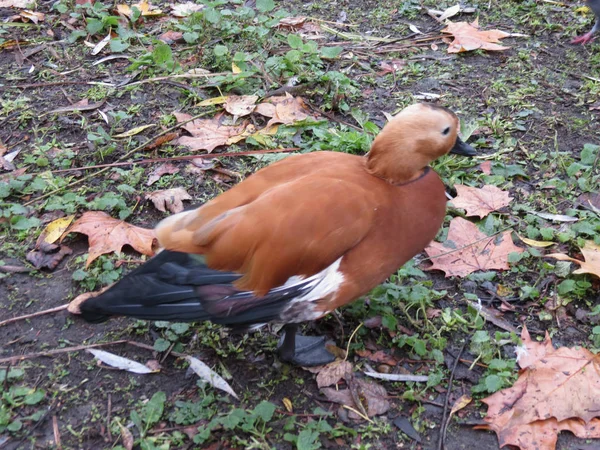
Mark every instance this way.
x=293 y=229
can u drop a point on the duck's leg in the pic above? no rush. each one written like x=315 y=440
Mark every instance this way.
x=303 y=350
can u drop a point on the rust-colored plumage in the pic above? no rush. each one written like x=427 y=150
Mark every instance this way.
x=307 y=234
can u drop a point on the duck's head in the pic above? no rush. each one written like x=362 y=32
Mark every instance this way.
x=416 y=136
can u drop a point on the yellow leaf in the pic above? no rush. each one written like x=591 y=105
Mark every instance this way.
x=213 y=101
x=582 y=10
x=235 y=68
x=591 y=256
x=288 y=404
x=459 y=404
x=133 y=131
x=54 y=230
x=533 y=243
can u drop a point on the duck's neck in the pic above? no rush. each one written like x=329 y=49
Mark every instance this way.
x=384 y=162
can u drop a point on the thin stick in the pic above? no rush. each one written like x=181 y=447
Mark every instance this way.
x=175 y=158
x=441 y=443
x=56 y=433
x=29 y=316
x=76 y=348
x=108 y=414
x=357 y=412
x=350 y=340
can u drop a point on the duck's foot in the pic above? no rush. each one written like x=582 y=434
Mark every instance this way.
x=302 y=350
x=584 y=39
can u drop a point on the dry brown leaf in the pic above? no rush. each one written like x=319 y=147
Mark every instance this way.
x=108 y=235
x=467 y=250
x=284 y=109
x=207 y=134
x=371 y=394
x=379 y=357
x=74 y=305
x=240 y=105
x=170 y=37
x=591 y=256
x=169 y=199
x=333 y=373
x=48 y=256
x=557 y=390
x=163 y=169
x=161 y=140
x=480 y=202
x=468 y=36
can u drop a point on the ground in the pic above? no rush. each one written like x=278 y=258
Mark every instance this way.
x=530 y=110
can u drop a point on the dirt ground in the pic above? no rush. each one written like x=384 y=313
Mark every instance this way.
x=535 y=104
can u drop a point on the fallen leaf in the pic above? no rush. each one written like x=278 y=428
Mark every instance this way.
x=406 y=427
x=33 y=16
x=486 y=167
x=118 y=362
x=210 y=376
x=391 y=66
x=240 y=105
x=557 y=390
x=468 y=36
x=163 y=169
x=590 y=201
x=81 y=105
x=288 y=404
x=185 y=9
x=450 y=12
x=534 y=243
x=378 y=357
x=332 y=373
x=371 y=393
x=213 y=101
x=161 y=140
x=15 y=3
x=467 y=250
x=555 y=217
x=103 y=43
x=145 y=8
x=207 y=134
x=133 y=131
x=171 y=36
x=126 y=437
x=108 y=235
x=54 y=230
x=169 y=199
x=48 y=256
x=283 y=109
x=591 y=256
x=74 y=305
x=480 y=201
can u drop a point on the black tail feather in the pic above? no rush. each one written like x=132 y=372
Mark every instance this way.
x=177 y=286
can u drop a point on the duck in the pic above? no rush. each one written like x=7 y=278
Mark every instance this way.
x=594 y=5
x=297 y=239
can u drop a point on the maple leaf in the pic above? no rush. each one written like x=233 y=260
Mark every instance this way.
x=591 y=256
x=207 y=134
x=283 y=109
x=171 y=199
x=468 y=36
x=480 y=202
x=467 y=250
x=557 y=390
x=108 y=235
x=240 y=105
x=163 y=169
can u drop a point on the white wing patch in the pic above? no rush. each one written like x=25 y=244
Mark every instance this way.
x=323 y=284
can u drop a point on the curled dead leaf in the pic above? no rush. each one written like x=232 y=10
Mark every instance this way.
x=169 y=199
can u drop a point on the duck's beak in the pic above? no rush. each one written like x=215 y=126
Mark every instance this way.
x=462 y=148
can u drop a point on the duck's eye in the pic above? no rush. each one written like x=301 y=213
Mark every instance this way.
x=446 y=131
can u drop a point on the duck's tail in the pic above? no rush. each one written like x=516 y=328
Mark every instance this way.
x=178 y=286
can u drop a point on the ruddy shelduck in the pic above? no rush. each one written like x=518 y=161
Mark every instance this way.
x=297 y=239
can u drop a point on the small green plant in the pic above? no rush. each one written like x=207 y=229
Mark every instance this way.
x=100 y=273
x=15 y=400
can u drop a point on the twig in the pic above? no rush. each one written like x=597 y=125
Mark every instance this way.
x=37 y=424
x=441 y=443
x=52 y=84
x=287 y=413
x=76 y=348
x=29 y=316
x=357 y=413
x=108 y=414
x=175 y=158
x=56 y=433
x=350 y=340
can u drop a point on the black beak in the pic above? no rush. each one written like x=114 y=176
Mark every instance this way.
x=462 y=148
